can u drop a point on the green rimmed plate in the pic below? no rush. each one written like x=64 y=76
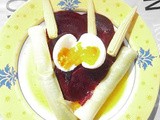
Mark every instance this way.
x=13 y=105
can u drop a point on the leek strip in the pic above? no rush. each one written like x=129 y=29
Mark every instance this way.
x=91 y=18
x=49 y=19
x=118 y=38
x=46 y=75
x=105 y=88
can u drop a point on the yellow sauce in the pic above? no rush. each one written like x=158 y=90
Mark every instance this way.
x=77 y=54
x=114 y=98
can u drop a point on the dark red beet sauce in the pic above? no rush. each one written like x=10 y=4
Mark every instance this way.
x=79 y=84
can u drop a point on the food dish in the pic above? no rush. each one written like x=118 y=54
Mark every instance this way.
x=138 y=40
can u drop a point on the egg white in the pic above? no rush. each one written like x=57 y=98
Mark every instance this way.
x=87 y=39
x=66 y=41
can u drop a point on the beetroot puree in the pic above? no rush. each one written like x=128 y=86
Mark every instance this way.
x=78 y=84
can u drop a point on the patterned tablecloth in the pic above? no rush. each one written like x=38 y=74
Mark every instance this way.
x=149 y=10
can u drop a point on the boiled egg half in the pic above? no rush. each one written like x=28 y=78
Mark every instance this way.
x=89 y=51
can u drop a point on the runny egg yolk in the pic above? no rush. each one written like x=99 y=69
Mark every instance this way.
x=77 y=54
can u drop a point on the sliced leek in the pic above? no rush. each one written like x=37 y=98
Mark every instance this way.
x=118 y=38
x=49 y=19
x=46 y=75
x=91 y=18
x=105 y=88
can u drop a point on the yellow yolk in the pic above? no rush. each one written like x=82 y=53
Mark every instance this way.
x=77 y=54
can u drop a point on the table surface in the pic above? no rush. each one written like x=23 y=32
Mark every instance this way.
x=149 y=10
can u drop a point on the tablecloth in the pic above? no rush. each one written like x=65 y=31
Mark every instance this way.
x=149 y=10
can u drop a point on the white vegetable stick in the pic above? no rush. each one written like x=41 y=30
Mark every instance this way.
x=118 y=38
x=105 y=88
x=91 y=18
x=49 y=19
x=46 y=75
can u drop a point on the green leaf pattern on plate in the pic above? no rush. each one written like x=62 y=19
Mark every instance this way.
x=145 y=58
x=8 y=76
x=69 y=4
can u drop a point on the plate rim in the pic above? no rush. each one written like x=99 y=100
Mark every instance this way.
x=34 y=5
